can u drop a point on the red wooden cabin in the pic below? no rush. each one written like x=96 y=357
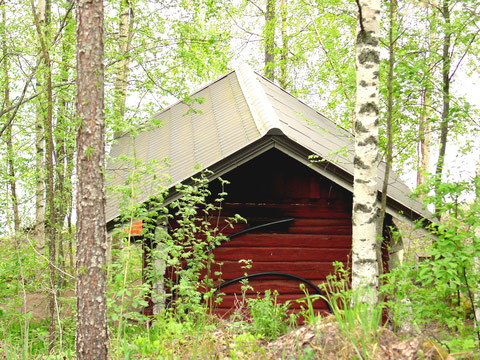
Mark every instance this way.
x=260 y=138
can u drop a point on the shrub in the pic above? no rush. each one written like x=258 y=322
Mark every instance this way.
x=268 y=317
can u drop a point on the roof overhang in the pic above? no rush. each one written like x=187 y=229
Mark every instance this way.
x=297 y=152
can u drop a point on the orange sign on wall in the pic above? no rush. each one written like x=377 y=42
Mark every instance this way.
x=135 y=229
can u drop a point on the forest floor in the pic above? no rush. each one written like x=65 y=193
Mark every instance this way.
x=325 y=340
x=224 y=339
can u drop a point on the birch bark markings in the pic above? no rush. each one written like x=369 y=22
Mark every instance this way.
x=92 y=337
x=365 y=211
x=39 y=229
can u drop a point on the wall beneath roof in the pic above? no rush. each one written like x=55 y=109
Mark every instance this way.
x=276 y=187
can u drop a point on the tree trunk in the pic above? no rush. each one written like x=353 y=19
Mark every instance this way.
x=64 y=141
x=284 y=52
x=11 y=174
x=445 y=96
x=42 y=22
x=390 y=110
x=10 y=150
x=424 y=125
x=159 y=254
x=269 y=34
x=424 y=129
x=92 y=335
x=39 y=229
x=476 y=259
x=365 y=211
x=125 y=34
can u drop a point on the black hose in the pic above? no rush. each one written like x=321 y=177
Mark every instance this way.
x=270 y=273
x=284 y=275
x=259 y=227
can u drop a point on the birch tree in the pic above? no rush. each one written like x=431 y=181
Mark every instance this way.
x=8 y=132
x=40 y=151
x=92 y=336
x=125 y=34
x=42 y=23
x=476 y=260
x=365 y=211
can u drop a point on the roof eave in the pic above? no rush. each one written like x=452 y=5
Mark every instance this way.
x=276 y=139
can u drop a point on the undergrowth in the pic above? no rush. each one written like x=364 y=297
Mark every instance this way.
x=437 y=291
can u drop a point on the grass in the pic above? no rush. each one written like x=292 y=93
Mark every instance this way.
x=344 y=335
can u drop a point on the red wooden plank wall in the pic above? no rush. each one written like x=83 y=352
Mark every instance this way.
x=275 y=187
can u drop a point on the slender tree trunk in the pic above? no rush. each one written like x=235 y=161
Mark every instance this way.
x=39 y=230
x=42 y=26
x=64 y=143
x=69 y=131
x=269 y=33
x=476 y=259
x=125 y=34
x=92 y=334
x=424 y=125
x=390 y=110
x=70 y=235
x=446 y=94
x=159 y=267
x=284 y=52
x=365 y=266
x=424 y=130
x=10 y=150
x=11 y=176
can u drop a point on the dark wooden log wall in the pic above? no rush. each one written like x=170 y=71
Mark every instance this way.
x=275 y=187
x=271 y=188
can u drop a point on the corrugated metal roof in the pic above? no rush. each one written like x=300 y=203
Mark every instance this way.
x=324 y=138
x=236 y=112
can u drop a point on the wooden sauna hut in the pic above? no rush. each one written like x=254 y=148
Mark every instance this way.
x=290 y=171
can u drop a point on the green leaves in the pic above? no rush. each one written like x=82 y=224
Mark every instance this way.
x=440 y=286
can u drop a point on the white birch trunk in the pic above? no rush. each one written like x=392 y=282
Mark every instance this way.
x=476 y=260
x=476 y=294
x=159 y=267
x=39 y=226
x=365 y=210
x=125 y=34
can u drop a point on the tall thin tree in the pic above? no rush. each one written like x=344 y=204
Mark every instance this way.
x=9 y=138
x=365 y=210
x=446 y=79
x=39 y=230
x=42 y=25
x=390 y=112
x=269 y=34
x=91 y=339
x=125 y=34
x=424 y=122
x=284 y=51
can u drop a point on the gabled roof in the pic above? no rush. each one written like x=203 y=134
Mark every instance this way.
x=238 y=117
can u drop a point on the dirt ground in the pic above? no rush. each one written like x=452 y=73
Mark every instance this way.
x=325 y=341
x=37 y=304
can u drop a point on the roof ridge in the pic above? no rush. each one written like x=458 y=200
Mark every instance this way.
x=265 y=117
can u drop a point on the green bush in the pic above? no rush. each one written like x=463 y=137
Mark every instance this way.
x=268 y=317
